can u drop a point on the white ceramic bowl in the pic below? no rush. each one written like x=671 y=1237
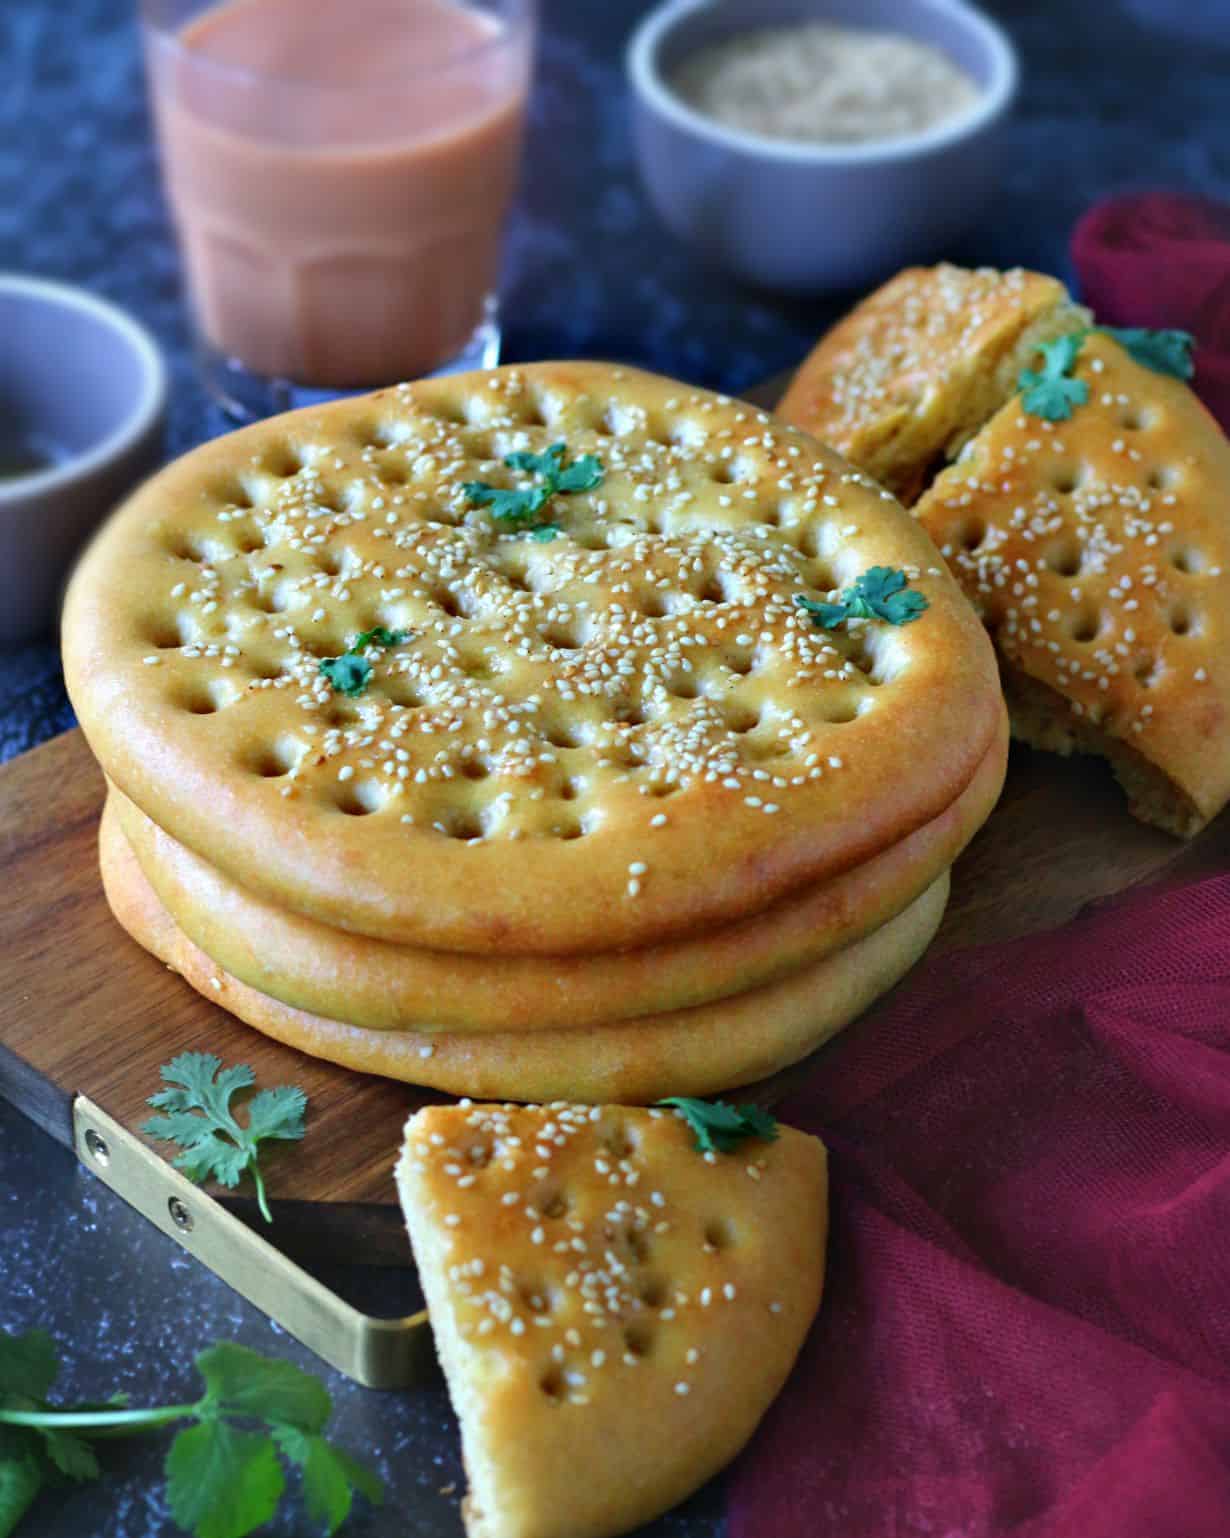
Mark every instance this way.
x=806 y=218
x=80 y=376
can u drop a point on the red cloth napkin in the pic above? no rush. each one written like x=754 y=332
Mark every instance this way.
x=1163 y=259
x=1026 y=1325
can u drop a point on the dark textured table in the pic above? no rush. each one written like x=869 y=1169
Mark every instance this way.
x=1117 y=93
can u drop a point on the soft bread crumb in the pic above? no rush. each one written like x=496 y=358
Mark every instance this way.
x=1044 y=719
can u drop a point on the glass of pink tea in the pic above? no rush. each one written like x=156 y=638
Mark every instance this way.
x=339 y=172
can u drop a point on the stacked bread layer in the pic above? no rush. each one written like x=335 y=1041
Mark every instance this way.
x=598 y=811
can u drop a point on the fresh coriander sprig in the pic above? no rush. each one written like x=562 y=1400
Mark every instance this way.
x=350 y=672
x=719 y=1127
x=225 y=1473
x=1165 y=352
x=1053 y=392
x=880 y=593
x=517 y=504
x=214 y=1143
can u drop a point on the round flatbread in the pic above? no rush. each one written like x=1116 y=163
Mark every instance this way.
x=389 y=987
x=558 y=742
x=697 y=1052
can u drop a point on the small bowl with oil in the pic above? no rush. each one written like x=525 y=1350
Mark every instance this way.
x=82 y=404
x=808 y=214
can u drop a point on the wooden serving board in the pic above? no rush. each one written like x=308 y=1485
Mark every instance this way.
x=83 y=1010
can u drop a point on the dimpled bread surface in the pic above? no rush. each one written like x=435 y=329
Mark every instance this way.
x=902 y=382
x=1097 y=550
x=377 y=984
x=693 y=1052
x=614 y=1311
x=623 y=734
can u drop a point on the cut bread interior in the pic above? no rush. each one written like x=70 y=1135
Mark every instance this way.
x=613 y=1309
x=1042 y=718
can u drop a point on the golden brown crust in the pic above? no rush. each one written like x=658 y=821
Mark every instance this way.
x=1098 y=552
x=697 y=1052
x=386 y=987
x=904 y=379
x=235 y=602
x=614 y=1312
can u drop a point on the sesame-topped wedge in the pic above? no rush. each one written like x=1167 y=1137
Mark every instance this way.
x=433 y=665
x=1089 y=522
x=902 y=382
x=616 y=1296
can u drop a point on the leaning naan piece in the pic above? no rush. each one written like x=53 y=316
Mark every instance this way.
x=624 y=733
x=693 y=1052
x=614 y=1312
x=1097 y=550
x=385 y=987
x=902 y=382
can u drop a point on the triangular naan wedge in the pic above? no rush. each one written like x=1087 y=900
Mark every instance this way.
x=1097 y=550
x=614 y=1311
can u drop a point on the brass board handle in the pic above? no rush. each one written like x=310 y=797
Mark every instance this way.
x=378 y=1353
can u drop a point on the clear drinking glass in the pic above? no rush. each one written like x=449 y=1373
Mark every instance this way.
x=339 y=172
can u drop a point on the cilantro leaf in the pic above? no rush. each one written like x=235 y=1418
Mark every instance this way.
x=242 y=1382
x=546 y=464
x=1059 y=356
x=543 y=532
x=378 y=637
x=1051 y=398
x=222 y=1482
x=350 y=672
x=1052 y=393
x=880 y=593
x=23 y=1473
x=28 y=1364
x=347 y=674
x=72 y=1455
x=330 y=1476
x=1165 y=352
x=581 y=475
x=277 y=1113
x=719 y=1127
x=825 y=616
x=214 y=1144
x=762 y=1123
x=517 y=504
x=507 y=506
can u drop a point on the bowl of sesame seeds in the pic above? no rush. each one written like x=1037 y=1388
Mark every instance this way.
x=813 y=145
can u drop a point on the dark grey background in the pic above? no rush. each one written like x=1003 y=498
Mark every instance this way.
x=1117 y=94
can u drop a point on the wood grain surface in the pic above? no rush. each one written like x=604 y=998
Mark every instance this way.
x=85 y=1010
